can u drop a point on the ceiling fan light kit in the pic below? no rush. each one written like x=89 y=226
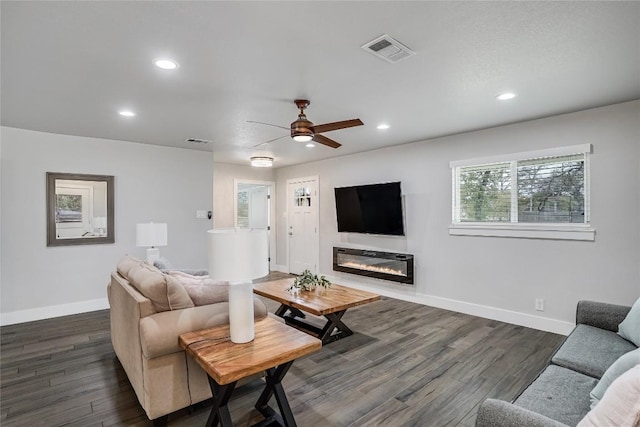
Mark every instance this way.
x=261 y=161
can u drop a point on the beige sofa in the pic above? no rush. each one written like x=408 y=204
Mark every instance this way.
x=145 y=334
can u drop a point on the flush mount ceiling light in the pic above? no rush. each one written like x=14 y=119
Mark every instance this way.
x=262 y=161
x=506 y=96
x=165 y=64
x=126 y=113
x=382 y=126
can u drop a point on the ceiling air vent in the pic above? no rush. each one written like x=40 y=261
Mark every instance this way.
x=388 y=48
x=197 y=141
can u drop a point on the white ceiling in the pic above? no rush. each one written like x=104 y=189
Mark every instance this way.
x=68 y=67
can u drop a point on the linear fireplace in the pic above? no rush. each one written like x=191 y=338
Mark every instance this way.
x=381 y=265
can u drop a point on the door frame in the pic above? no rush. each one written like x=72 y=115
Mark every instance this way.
x=271 y=220
x=289 y=202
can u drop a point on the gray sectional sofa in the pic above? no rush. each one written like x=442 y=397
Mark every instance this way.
x=559 y=396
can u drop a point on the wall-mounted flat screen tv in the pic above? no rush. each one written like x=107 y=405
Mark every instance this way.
x=370 y=209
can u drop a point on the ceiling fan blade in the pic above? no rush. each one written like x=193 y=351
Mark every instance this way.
x=271 y=140
x=337 y=125
x=321 y=139
x=268 y=124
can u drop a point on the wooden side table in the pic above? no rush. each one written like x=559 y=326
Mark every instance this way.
x=273 y=350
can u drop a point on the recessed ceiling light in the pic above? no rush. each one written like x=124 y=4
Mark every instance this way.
x=126 y=113
x=310 y=145
x=506 y=96
x=166 y=64
x=383 y=126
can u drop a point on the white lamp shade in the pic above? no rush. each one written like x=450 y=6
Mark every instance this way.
x=238 y=254
x=151 y=234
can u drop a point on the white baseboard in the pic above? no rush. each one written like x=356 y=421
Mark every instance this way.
x=48 y=312
x=280 y=268
x=502 y=315
x=522 y=319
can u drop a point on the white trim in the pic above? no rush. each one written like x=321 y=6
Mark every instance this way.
x=280 y=268
x=522 y=319
x=526 y=231
x=29 y=315
x=503 y=158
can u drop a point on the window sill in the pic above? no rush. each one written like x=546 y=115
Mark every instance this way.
x=525 y=231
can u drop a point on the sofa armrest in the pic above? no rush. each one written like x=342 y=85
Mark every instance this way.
x=498 y=413
x=159 y=332
x=601 y=315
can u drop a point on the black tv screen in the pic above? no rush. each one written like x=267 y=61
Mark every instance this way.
x=371 y=209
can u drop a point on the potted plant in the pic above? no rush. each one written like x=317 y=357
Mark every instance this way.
x=308 y=281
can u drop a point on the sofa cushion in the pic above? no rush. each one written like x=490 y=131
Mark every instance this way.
x=560 y=394
x=164 y=291
x=165 y=266
x=202 y=289
x=619 y=367
x=629 y=329
x=591 y=351
x=159 y=333
x=620 y=405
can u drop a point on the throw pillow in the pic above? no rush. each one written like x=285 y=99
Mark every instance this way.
x=620 y=405
x=202 y=289
x=162 y=264
x=629 y=329
x=164 y=292
x=619 y=367
x=126 y=264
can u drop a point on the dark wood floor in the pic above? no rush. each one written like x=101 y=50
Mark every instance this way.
x=406 y=365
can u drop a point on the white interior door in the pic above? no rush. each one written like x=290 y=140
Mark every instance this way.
x=302 y=200
x=253 y=209
x=259 y=207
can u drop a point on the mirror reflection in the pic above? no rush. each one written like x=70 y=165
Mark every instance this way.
x=80 y=209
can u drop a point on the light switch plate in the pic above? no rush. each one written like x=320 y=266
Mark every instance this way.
x=201 y=214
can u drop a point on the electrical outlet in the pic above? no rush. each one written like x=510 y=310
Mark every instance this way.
x=201 y=214
x=539 y=304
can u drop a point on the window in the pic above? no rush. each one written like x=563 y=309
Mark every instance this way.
x=542 y=194
x=243 y=209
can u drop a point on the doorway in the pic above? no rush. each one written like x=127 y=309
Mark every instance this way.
x=302 y=225
x=254 y=207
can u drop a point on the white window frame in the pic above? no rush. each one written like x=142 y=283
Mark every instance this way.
x=560 y=231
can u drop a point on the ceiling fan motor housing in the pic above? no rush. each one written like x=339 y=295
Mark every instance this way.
x=302 y=127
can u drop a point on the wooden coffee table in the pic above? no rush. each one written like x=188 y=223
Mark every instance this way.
x=332 y=303
x=273 y=350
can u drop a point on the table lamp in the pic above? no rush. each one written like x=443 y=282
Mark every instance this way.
x=239 y=255
x=151 y=235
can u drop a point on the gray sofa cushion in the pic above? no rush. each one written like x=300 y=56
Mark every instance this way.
x=560 y=394
x=498 y=413
x=591 y=351
x=601 y=315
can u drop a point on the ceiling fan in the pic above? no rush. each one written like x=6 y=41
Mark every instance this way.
x=302 y=130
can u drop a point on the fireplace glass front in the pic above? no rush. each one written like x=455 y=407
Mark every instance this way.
x=382 y=265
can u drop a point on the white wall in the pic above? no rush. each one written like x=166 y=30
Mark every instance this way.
x=224 y=191
x=497 y=277
x=152 y=183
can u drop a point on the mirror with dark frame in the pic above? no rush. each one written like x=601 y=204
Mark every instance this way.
x=79 y=209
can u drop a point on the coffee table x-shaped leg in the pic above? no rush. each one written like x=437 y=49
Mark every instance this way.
x=326 y=333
